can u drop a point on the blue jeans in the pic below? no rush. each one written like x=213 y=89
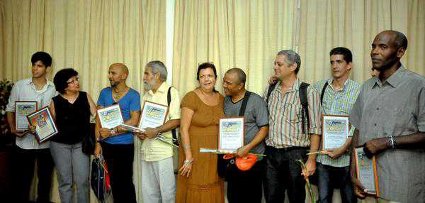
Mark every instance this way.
x=283 y=172
x=72 y=166
x=329 y=178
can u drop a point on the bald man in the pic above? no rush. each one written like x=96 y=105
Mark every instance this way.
x=389 y=117
x=115 y=144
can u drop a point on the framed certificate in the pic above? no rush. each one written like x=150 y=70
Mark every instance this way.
x=22 y=110
x=110 y=117
x=44 y=125
x=366 y=172
x=153 y=115
x=335 y=131
x=231 y=134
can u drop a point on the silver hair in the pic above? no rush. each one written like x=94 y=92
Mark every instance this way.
x=158 y=67
x=291 y=58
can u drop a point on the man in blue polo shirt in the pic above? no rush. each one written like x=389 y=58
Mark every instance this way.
x=117 y=146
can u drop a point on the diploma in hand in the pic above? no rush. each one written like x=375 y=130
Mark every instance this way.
x=231 y=134
x=366 y=172
x=110 y=117
x=153 y=115
x=335 y=131
x=22 y=110
x=44 y=125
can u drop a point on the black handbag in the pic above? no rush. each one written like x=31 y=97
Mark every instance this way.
x=224 y=166
x=99 y=179
x=89 y=141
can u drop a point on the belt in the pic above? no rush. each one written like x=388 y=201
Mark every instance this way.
x=286 y=149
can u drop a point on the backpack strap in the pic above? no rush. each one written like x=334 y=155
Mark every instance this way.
x=323 y=92
x=304 y=103
x=244 y=102
x=269 y=92
x=173 y=131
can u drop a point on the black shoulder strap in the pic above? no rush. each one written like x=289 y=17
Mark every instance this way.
x=269 y=92
x=244 y=102
x=169 y=96
x=304 y=103
x=173 y=131
x=323 y=92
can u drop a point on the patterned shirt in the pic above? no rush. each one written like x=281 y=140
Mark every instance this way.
x=155 y=150
x=395 y=107
x=285 y=125
x=337 y=102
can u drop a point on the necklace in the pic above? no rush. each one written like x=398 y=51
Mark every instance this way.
x=71 y=99
x=118 y=94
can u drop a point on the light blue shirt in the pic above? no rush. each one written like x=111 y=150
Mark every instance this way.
x=337 y=102
x=25 y=90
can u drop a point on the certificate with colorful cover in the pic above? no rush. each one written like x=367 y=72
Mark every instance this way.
x=22 y=110
x=335 y=131
x=110 y=117
x=44 y=125
x=231 y=134
x=153 y=115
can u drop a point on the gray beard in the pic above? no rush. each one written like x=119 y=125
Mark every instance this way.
x=147 y=86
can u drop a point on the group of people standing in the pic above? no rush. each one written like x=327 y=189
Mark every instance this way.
x=387 y=114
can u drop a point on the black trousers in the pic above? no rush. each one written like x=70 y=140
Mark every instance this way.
x=245 y=186
x=24 y=163
x=283 y=172
x=119 y=159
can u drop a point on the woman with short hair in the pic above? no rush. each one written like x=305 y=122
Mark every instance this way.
x=71 y=109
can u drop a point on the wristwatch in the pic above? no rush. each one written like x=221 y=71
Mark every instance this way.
x=113 y=131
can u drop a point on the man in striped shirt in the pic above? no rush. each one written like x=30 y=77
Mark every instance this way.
x=338 y=95
x=288 y=142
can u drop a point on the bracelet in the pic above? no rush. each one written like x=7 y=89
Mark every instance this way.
x=392 y=142
x=187 y=161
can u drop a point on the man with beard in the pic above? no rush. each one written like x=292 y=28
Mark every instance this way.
x=389 y=117
x=158 y=183
x=117 y=145
x=28 y=151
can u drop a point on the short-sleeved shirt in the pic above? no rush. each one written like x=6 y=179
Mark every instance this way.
x=25 y=90
x=155 y=150
x=285 y=116
x=395 y=107
x=130 y=102
x=337 y=102
x=255 y=117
